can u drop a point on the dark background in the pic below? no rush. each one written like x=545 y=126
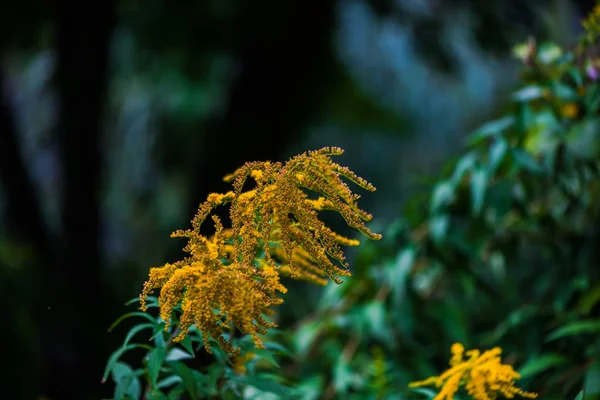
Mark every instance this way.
x=119 y=117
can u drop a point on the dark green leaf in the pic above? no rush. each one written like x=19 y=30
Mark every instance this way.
x=155 y=360
x=129 y=315
x=575 y=328
x=133 y=331
x=169 y=381
x=526 y=161
x=442 y=196
x=114 y=357
x=591 y=386
x=428 y=393
x=492 y=128
x=187 y=343
x=497 y=152
x=187 y=378
x=266 y=384
x=478 y=187
x=266 y=355
x=540 y=364
x=127 y=385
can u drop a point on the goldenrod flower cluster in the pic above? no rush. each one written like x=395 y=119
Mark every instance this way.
x=592 y=22
x=234 y=276
x=483 y=376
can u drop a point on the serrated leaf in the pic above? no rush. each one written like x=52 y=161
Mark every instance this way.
x=541 y=363
x=575 y=328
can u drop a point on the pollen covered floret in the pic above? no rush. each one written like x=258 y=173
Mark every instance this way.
x=483 y=376
x=234 y=276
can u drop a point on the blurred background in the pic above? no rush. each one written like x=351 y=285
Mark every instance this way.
x=119 y=117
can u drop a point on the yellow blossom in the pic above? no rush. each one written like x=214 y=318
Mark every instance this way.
x=234 y=276
x=483 y=376
x=570 y=110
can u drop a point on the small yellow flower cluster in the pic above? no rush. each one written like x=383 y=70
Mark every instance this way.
x=234 y=276
x=570 y=110
x=592 y=22
x=483 y=376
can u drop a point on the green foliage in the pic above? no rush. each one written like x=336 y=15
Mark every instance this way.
x=500 y=251
x=503 y=253
x=165 y=373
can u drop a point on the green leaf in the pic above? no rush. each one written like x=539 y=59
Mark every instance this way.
x=496 y=155
x=177 y=354
x=428 y=393
x=438 y=227
x=278 y=348
x=478 y=187
x=588 y=300
x=541 y=363
x=575 y=328
x=592 y=98
x=127 y=385
x=155 y=360
x=548 y=53
x=490 y=129
x=133 y=331
x=187 y=343
x=265 y=383
x=266 y=355
x=443 y=195
x=129 y=315
x=215 y=371
x=591 y=385
x=187 y=378
x=342 y=375
x=156 y=395
x=526 y=161
x=528 y=93
x=169 y=381
x=465 y=164
x=114 y=357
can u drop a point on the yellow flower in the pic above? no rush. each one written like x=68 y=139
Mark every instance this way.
x=234 y=276
x=483 y=376
x=570 y=110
